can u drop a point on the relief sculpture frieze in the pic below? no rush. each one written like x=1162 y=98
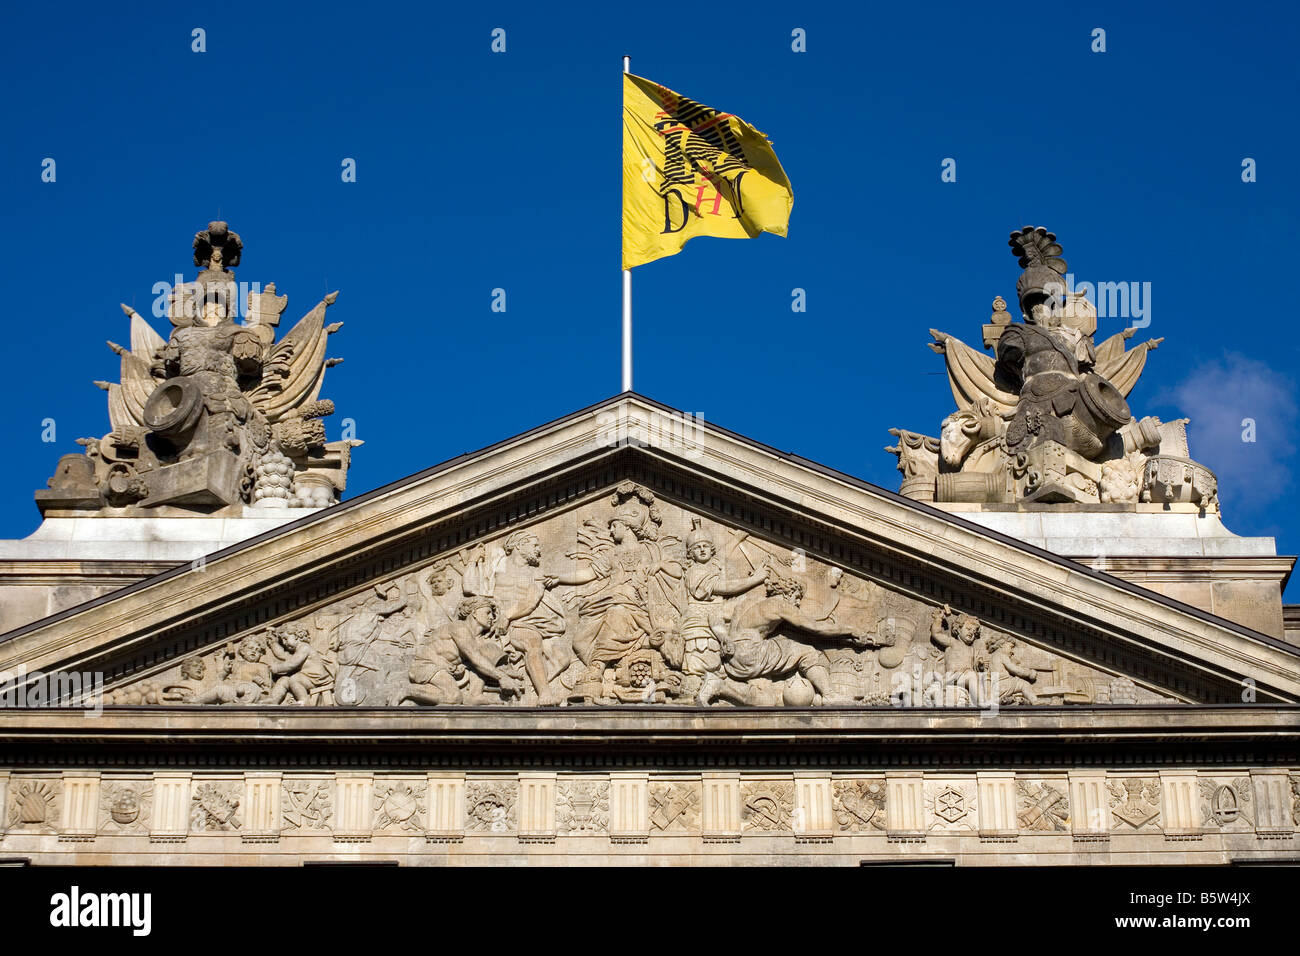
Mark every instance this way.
x=627 y=600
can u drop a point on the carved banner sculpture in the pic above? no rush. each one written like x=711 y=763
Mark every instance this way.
x=217 y=417
x=1047 y=420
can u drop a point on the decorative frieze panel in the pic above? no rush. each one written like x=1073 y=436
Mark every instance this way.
x=490 y=806
x=721 y=820
x=262 y=798
x=1134 y=803
x=950 y=806
x=307 y=805
x=582 y=807
x=34 y=804
x=1180 y=805
x=813 y=819
x=537 y=807
x=1090 y=804
x=125 y=804
x=642 y=807
x=354 y=811
x=399 y=805
x=1274 y=811
x=996 y=803
x=171 y=808
x=675 y=806
x=1227 y=803
x=215 y=805
x=1043 y=806
x=446 y=808
x=767 y=807
x=860 y=805
x=905 y=807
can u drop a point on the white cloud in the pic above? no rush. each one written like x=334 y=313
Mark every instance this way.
x=1218 y=396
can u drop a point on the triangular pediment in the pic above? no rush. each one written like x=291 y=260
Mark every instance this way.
x=558 y=566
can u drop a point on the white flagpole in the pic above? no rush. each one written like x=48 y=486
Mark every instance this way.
x=627 y=301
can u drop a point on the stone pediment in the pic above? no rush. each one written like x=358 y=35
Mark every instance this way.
x=629 y=555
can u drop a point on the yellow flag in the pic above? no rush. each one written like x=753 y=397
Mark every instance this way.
x=689 y=171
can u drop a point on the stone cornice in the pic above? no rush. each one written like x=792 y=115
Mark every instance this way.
x=666 y=736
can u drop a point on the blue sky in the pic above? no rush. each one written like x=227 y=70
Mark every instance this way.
x=479 y=170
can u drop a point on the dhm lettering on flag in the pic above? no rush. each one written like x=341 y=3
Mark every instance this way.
x=690 y=170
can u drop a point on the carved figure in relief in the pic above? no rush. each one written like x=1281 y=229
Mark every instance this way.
x=629 y=592
x=247 y=666
x=303 y=672
x=956 y=636
x=1010 y=681
x=702 y=627
x=755 y=649
x=434 y=586
x=194 y=688
x=356 y=629
x=454 y=662
x=530 y=619
x=854 y=669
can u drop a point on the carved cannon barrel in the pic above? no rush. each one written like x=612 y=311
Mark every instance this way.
x=175 y=407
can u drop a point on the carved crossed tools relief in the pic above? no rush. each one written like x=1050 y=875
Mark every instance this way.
x=1042 y=806
x=307 y=805
x=766 y=806
x=627 y=600
x=675 y=807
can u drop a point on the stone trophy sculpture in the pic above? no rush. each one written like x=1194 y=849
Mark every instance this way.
x=1048 y=420
x=219 y=416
